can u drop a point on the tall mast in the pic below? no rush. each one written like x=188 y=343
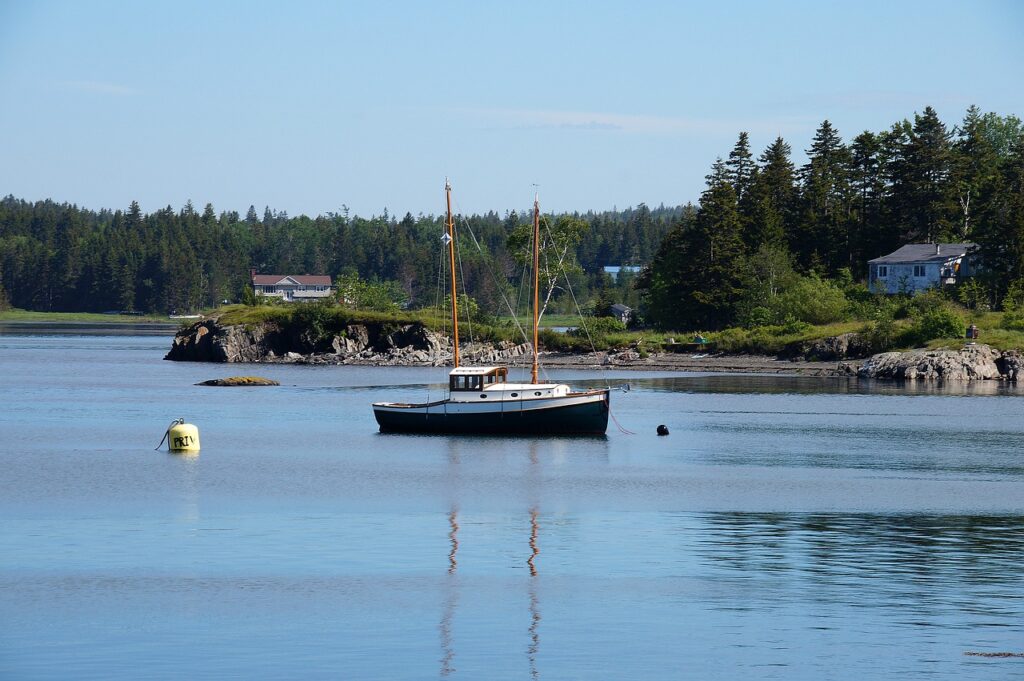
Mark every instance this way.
x=450 y=234
x=536 y=279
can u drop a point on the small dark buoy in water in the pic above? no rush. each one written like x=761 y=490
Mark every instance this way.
x=662 y=430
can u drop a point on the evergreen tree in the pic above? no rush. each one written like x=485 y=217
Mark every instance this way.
x=823 y=239
x=928 y=169
x=999 y=228
x=867 y=184
x=695 y=280
x=976 y=168
x=740 y=168
x=772 y=197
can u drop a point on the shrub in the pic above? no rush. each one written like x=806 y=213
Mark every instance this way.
x=756 y=317
x=813 y=300
x=973 y=295
x=317 y=319
x=938 y=322
x=881 y=335
x=598 y=326
x=1013 y=307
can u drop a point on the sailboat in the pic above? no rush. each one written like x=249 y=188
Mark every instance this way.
x=482 y=400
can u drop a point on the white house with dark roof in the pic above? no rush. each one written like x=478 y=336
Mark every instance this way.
x=291 y=287
x=916 y=267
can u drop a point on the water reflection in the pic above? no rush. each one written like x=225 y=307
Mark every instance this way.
x=929 y=565
x=451 y=600
x=534 y=630
x=771 y=384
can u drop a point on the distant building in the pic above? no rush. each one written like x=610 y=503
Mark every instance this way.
x=623 y=313
x=291 y=287
x=614 y=270
x=916 y=267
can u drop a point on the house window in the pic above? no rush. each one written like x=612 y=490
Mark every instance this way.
x=918 y=270
x=883 y=271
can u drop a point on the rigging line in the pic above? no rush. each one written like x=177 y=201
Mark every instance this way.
x=465 y=290
x=497 y=284
x=551 y=240
x=438 y=303
x=522 y=285
x=601 y=367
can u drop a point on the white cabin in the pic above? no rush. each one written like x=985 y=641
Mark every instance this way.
x=472 y=384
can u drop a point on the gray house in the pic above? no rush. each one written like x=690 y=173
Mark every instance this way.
x=623 y=313
x=916 y=267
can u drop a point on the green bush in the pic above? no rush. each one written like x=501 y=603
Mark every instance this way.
x=938 y=322
x=597 y=326
x=973 y=295
x=249 y=297
x=757 y=317
x=317 y=319
x=881 y=334
x=812 y=300
x=1013 y=307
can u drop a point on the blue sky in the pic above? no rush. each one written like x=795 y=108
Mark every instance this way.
x=309 y=106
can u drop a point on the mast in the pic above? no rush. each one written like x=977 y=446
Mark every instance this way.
x=450 y=238
x=536 y=279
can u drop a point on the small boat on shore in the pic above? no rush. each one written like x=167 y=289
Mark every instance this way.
x=481 y=400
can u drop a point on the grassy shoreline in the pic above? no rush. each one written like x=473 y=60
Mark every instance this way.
x=766 y=340
x=733 y=341
x=30 y=316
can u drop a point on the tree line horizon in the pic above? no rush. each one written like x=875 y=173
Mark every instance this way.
x=918 y=181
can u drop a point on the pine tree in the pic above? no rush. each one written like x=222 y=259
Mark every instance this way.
x=695 y=280
x=740 y=168
x=930 y=194
x=999 y=227
x=823 y=238
x=772 y=198
x=867 y=184
x=976 y=168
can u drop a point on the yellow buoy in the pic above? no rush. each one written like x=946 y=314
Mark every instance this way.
x=183 y=437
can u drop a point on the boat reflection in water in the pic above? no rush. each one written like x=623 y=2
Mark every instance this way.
x=451 y=600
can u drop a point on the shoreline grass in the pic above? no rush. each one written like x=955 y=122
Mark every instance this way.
x=18 y=315
x=758 y=340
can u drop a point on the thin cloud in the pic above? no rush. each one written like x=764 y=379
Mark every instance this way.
x=100 y=88
x=628 y=123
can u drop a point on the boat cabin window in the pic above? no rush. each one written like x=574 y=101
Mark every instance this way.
x=466 y=382
x=477 y=382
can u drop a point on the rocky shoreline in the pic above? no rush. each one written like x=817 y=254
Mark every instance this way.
x=415 y=345
x=975 y=362
x=391 y=344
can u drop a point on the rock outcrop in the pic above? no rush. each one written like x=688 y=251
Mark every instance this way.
x=834 y=348
x=972 y=363
x=239 y=381
x=384 y=344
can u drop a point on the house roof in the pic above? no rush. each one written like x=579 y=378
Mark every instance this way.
x=304 y=279
x=620 y=308
x=924 y=253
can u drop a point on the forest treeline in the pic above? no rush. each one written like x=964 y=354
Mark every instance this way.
x=61 y=257
x=767 y=236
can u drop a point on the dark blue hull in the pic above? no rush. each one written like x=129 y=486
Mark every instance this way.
x=589 y=418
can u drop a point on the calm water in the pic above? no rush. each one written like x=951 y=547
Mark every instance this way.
x=788 y=528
